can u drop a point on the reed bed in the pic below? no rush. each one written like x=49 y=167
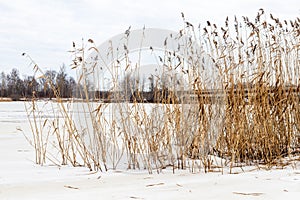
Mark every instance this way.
x=235 y=98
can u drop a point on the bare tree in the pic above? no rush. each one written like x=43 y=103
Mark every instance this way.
x=3 y=85
x=15 y=85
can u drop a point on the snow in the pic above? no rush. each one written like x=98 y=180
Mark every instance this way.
x=20 y=178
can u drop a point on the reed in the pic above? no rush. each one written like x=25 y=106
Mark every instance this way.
x=237 y=99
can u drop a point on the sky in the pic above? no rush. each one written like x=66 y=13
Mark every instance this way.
x=46 y=29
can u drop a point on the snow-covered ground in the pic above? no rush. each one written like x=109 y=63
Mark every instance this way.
x=20 y=178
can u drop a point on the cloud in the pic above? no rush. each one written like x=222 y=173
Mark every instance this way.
x=46 y=29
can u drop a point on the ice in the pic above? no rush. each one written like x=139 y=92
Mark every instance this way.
x=20 y=178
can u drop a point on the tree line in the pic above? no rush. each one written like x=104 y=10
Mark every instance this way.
x=14 y=87
x=53 y=83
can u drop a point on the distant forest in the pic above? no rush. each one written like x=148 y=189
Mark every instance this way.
x=15 y=87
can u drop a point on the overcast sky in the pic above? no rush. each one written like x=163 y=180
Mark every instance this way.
x=45 y=29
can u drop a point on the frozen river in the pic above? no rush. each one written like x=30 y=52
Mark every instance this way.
x=12 y=116
x=20 y=178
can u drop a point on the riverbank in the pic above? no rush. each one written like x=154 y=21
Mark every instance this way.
x=20 y=178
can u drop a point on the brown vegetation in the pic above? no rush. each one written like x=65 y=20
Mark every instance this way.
x=250 y=113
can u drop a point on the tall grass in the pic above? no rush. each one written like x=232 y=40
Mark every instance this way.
x=237 y=98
